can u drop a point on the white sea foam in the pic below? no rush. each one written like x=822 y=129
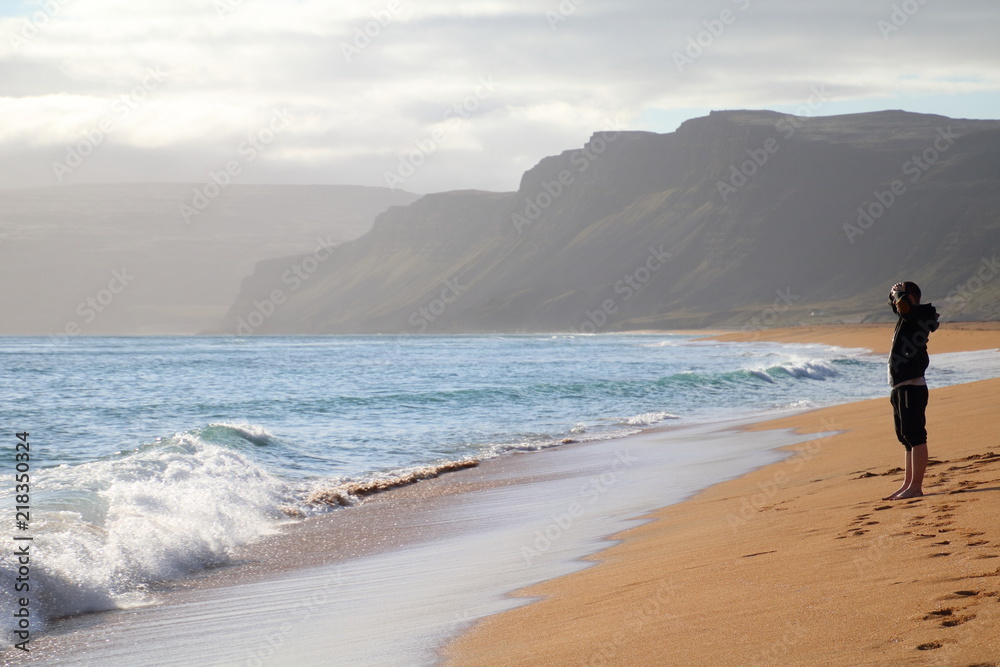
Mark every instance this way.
x=971 y=366
x=649 y=418
x=816 y=369
x=245 y=429
x=106 y=532
x=797 y=367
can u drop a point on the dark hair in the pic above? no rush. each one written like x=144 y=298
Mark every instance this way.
x=912 y=289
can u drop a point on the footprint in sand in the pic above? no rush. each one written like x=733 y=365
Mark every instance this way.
x=957 y=620
x=958 y=595
x=948 y=617
x=978 y=543
x=929 y=646
x=940 y=554
x=985 y=458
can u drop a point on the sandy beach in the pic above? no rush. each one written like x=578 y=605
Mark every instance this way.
x=393 y=579
x=615 y=552
x=799 y=562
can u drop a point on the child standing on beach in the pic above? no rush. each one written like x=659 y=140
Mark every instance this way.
x=908 y=360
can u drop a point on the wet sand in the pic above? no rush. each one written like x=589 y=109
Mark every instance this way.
x=799 y=562
x=390 y=581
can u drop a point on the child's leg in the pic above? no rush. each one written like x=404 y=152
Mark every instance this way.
x=909 y=404
x=907 y=476
x=894 y=399
x=918 y=464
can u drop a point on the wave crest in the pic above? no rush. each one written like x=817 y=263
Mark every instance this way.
x=351 y=492
x=109 y=530
x=648 y=419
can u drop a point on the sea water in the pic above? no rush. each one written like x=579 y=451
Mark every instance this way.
x=152 y=458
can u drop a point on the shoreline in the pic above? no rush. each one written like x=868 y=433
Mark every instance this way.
x=800 y=561
x=951 y=337
x=433 y=558
x=454 y=507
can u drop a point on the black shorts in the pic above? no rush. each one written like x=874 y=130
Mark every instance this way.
x=909 y=403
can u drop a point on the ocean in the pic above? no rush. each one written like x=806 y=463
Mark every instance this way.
x=153 y=458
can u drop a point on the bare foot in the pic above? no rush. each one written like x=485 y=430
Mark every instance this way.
x=909 y=493
x=895 y=495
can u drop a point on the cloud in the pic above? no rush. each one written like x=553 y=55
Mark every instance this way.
x=369 y=82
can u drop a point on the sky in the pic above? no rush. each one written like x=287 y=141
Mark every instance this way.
x=432 y=96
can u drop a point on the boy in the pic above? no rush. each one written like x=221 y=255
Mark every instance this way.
x=907 y=362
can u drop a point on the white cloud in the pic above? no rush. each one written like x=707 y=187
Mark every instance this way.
x=367 y=80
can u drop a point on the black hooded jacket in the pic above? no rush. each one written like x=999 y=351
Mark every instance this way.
x=908 y=358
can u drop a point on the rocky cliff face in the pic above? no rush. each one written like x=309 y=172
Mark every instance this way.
x=740 y=218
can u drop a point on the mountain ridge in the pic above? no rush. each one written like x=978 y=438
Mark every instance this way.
x=735 y=215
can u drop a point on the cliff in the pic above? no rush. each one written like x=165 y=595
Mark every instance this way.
x=740 y=218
